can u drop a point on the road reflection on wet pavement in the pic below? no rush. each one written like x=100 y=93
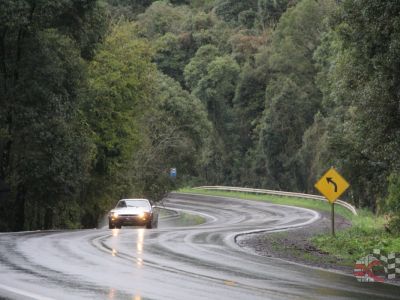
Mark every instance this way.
x=192 y=255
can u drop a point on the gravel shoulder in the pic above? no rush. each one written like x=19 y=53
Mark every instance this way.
x=295 y=245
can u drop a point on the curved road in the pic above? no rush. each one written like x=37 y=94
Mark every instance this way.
x=175 y=261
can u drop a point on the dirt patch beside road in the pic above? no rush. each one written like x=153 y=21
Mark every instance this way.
x=295 y=245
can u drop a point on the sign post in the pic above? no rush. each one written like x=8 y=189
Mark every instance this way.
x=333 y=218
x=332 y=185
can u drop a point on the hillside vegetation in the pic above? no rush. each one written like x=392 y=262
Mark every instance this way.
x=99 y=99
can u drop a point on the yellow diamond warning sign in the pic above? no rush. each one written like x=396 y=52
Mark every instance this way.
x=332 y=185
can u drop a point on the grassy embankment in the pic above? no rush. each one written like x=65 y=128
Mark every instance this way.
x=366 y=233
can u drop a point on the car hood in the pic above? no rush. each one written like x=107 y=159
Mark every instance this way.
x=129 y=210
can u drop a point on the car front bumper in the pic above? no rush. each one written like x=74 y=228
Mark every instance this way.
x=133 y=220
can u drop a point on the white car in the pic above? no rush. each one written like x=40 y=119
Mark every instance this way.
x=132 y=212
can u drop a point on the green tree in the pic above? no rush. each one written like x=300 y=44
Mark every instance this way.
x=371 y=75
x=175 y=131
x=173 y=54
x=120 y=82
x=44 y=143
x=292 y=97
x=229 y=10
x=245 y=46
x=216 y=90
x=197 y=67
x=128 y=9
x=392 y=203
x=42 y=168
x=248 y=107
x=359 y=77
x=270 y=11
x=314 y=156
x=162 y=17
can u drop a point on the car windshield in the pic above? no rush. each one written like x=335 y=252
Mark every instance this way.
x=135 y=203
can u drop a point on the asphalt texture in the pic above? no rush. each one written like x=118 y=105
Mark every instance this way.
x=179 y=260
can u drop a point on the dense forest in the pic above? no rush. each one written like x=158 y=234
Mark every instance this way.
x=99 y=99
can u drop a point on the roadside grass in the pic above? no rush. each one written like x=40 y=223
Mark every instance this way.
x=366 y=233
x=291 y=201
x=190 y=219
x=181 y=218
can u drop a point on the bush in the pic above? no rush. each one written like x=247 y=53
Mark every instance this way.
x=392 y=203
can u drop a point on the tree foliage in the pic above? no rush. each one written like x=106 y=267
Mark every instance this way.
x=119 y=85
x=162 y=17
x=359 y=81
x=392 y=203
x=99 y=99
x=175 y=130
x=292 y=97
x=45 y=145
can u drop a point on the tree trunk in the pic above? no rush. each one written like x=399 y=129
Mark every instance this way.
x=48 y=218
x=20 y=209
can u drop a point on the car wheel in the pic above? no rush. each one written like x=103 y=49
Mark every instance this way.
x=111 y=226
x=149 y=225
x=155 y=222
x=118 y=226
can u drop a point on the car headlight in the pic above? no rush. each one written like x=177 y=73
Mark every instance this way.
x=114 y=215
x=142 y=214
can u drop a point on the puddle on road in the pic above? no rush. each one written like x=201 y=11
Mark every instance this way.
x=114 y=294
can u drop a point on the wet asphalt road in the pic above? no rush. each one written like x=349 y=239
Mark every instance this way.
x=179 y=260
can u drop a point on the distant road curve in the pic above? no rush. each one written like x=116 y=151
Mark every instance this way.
x=346 y=205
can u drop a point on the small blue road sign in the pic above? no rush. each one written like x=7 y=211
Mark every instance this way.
x=172 y=172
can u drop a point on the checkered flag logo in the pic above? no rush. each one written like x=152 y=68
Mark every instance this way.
x=390 y=262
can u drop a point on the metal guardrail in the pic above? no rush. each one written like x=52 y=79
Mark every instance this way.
x=278 y=193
